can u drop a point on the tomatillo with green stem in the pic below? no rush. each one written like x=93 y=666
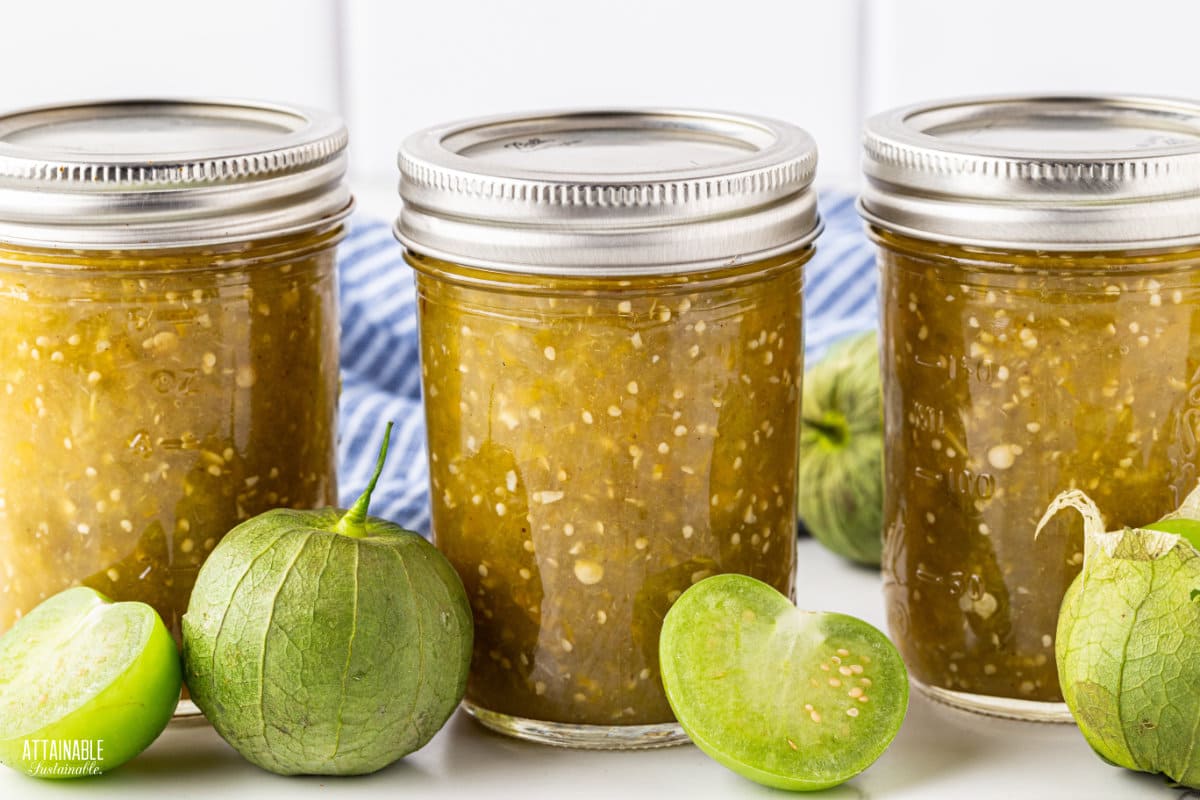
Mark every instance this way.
x=327 y=642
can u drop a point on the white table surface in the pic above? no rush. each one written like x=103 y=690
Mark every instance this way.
x=940 y=754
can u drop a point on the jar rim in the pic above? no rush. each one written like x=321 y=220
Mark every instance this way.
x=509 y=282
x=231 y=256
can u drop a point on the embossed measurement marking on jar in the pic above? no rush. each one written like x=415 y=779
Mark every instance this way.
x=180 y=382
x=927 y=418
x=980 y=369
x=964 y=482
x=955 y=583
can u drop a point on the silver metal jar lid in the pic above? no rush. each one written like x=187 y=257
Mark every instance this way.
x=1038 y=173
x=608 y=192
x=140 y=174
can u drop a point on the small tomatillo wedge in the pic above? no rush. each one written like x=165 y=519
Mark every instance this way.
x=85 y=685
x=793 y=699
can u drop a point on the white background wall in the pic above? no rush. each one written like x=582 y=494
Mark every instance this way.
x=391 y=66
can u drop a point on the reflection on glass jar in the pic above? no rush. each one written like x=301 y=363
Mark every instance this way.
x=611 y=353
x=595 y=450
x=152 y=401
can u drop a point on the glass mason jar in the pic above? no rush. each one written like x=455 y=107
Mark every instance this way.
x=1040 y=287
x=168 y=338
x=611 y=365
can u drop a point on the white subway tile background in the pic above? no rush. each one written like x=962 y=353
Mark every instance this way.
x=391 y=66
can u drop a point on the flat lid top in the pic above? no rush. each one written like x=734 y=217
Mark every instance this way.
x=154 y=133
x=573 y=146
x=1053 y=128
x=611 y=146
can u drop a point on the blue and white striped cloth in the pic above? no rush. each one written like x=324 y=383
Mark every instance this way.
x=382 y=376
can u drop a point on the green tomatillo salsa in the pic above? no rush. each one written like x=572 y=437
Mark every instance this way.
x=596 y=447
x=1009 y=378
x=151 y=401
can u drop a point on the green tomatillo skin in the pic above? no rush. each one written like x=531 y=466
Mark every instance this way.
x=1128 y=646
x=326 y=642
x=840 y=480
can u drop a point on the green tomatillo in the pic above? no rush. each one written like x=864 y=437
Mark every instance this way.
x=1128 y=643
x=840 y=481
x=327 y=642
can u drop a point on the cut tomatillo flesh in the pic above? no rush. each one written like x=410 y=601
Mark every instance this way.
x=85 y=685
x=793 y=699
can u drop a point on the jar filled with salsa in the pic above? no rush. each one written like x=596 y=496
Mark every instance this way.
x=168 y=338
x=1040 y=287
x=610 y=322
